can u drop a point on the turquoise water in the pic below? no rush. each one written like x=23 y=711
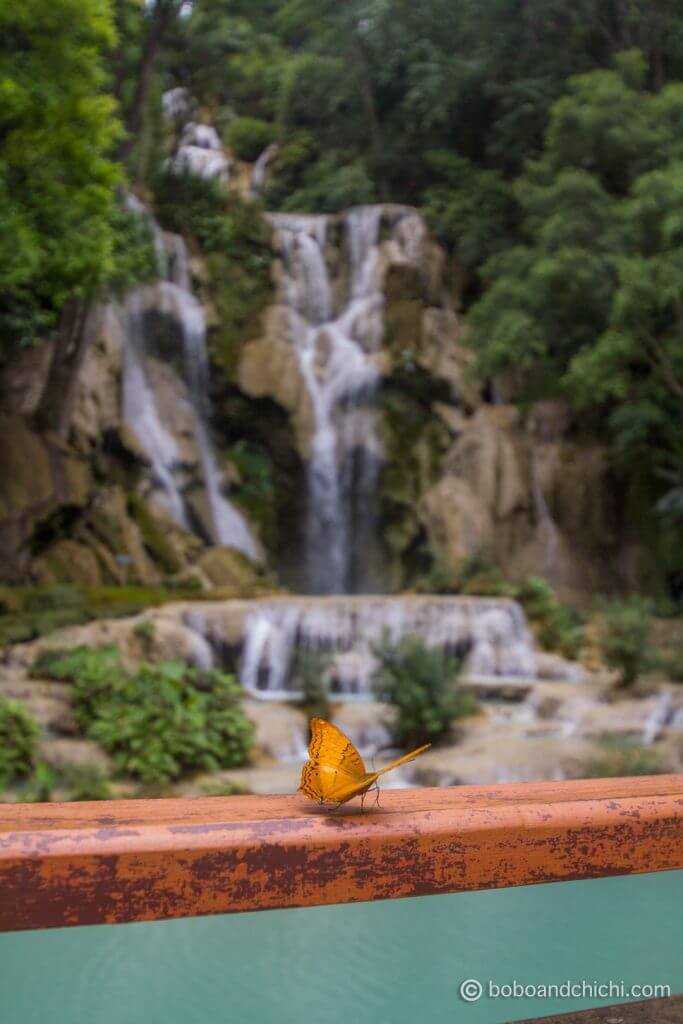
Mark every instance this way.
x=385 y=963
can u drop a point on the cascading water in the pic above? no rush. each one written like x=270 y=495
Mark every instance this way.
x=336 y=326
x=491 y=634
x=173 y=298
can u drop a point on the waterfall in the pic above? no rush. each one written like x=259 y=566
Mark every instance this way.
x=173 y=298
x=491 y=634
x=335 y=322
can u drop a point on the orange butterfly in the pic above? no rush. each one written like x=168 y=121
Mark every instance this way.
x=334 y=772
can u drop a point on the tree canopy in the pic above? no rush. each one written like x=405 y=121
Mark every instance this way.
x=57 y=180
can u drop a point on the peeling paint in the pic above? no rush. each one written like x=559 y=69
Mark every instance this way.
x=172 y=858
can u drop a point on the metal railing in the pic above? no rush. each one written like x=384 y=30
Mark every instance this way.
x=136 y=860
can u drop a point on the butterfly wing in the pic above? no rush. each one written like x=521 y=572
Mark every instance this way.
x=335 y=771
x=331 y=748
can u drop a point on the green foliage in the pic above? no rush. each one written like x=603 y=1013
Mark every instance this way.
x=330 y=184
x=66 y=665
x=309 y=673
x=589 y=302
x=440 y=578
x=235 y=239
x=558 y=627
x=18 y=742
x=87 y=782
x=471 y=211
x=195 y=207
x=625 y=637
x=39 y=788
x=159 y=722
x=255 y=491
x=616 y=759
x=145 y=631
x=249 y=136
x=421 y=683
x=57 y=185
x=134 y=259
x=33 y=612
x=295 y=157
x=218 y=787
x=477 y=574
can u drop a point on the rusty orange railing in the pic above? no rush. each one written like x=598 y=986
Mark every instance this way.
x=134 y=860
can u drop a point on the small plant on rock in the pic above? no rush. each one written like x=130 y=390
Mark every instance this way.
x=625 y=637
x=422 y=684
x=308 y=674
x=18 y=742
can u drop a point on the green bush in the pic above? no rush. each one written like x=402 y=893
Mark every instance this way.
x=40 y=786
x=163 y=720
x=294 y=158
x=615 y=759
x=18 y=742
x=307 y=673
x=625 y=637
x=66 y=665
x=194 y=207
x=216 y=787
x=144 y=631
x=421 y=683
x=87 y=782
x=477 y=574
x=249 y=136
x=160 y=722
x=330 y=185
x=557 y=627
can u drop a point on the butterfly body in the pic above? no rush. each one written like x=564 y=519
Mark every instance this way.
x=335 y=772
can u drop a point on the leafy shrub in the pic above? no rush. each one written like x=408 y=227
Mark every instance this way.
x=216 y=787
x=617 y=759
x=18 y=742
x=40 y=786
x=557 y=627
x=471 y=211
x=421 y=683
x=249 y=136
x=476 y=574
x=331 y=184
x=256 y=491
x=625 y=637
x=144 y=631
x=161 y=721
x=440 y=578
x=87 y=782
x=298 y=153
x=66 y=665
x=307 y=673
x=194 y=207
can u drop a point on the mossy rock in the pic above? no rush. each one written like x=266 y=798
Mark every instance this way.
x=228 y=568
x=153 y=536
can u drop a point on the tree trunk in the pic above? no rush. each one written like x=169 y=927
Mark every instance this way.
x=163 y=13
x=76 y=329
